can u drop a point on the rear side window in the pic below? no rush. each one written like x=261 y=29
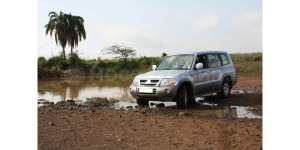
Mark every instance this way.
x=224 y=59
x=213 y=60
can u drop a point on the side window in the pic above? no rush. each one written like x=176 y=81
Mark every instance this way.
x=212 y=60
x=224 y=59
x=202 y=59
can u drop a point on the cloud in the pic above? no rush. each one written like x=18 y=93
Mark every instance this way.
x=162 y=14
x=206 y=21
x=248 y=18
x=183 y=17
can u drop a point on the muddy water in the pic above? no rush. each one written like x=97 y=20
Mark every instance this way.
x=58 y=89
x=237 y=106
x=210 y=107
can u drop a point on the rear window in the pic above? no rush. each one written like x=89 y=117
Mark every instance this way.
x=224 y=59
x=213 y=60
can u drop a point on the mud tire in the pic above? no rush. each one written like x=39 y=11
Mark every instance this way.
x=182 y=97
x=225 y=89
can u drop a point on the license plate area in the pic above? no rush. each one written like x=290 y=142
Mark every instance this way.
x=147 y=90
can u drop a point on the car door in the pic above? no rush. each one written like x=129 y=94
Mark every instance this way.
x=201 y=78
x=215 y=66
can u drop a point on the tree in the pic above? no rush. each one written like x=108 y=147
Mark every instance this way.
x=163 y=54
x=59 y=25
x=76 y=31
x=67 y=29
x=122 y=51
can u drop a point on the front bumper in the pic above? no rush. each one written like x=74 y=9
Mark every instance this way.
x=162 y=93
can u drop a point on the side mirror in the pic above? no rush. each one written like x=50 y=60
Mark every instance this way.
x=199 y=66
x=153 y=67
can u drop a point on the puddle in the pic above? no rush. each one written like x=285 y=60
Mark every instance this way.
x=243 y=112
x=201 y=101
x=57 y=89
x=242 y=91
x=205 y=109
x=154 y=104
x=122 y=105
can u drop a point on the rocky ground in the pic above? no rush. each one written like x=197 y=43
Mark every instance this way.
x=93 y=125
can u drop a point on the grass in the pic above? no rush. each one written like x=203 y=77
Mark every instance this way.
x=245 y=57
x=251 y=69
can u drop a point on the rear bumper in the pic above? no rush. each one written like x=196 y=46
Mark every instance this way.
x=164 y=93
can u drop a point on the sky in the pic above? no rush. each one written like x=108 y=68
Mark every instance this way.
x=157 y=26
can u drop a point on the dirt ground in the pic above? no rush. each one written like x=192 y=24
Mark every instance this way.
x=145 y=128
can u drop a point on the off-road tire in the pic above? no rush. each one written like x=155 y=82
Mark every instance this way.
x=225 y=89
x=182 y=97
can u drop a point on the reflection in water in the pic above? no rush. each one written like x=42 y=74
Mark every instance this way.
x=65 y=89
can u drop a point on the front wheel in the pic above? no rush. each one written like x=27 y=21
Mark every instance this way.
x=182 y=97
x=225 y=89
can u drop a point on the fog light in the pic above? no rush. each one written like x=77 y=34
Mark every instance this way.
x=167 y=91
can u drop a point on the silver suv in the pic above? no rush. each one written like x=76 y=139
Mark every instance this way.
x=183 y=77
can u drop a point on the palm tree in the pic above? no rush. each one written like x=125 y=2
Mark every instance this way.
x=58 y=24
x=76 y=31
x=67 y=29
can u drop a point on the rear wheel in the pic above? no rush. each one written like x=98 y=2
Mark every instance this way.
x=142 y=101
x=182 y=97
x=225 y=89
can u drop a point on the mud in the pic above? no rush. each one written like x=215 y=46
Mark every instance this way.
x=209 y=106
x=101 y=123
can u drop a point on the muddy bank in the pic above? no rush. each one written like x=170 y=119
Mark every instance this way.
x=98 y=125
x=242 y=105
x=116 y=129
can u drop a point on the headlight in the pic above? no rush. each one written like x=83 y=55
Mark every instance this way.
x=136 y=82
x=169 y=82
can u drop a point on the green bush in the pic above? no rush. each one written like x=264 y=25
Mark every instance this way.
x=42 y=62
x=56 y=61
x=55 y=65
x=74 y=59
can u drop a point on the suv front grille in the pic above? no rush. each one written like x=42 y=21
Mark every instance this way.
x=149 y=82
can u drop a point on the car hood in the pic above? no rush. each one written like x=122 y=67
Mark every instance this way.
x=162 y=74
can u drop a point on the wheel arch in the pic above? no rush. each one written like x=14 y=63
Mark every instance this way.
x=227 y=77
x=188 y=84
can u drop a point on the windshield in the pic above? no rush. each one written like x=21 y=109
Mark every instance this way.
x=176 y=62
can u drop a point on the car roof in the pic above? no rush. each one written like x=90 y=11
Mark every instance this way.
x=201 y=52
